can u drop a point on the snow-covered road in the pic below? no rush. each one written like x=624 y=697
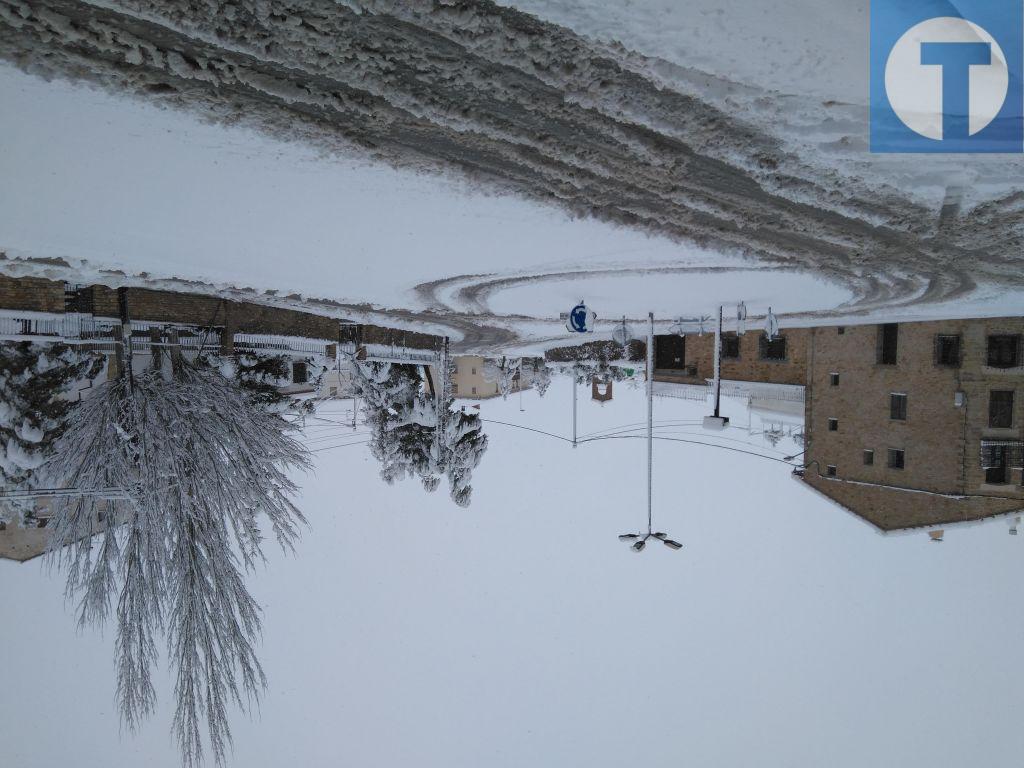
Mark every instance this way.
x=517 y=105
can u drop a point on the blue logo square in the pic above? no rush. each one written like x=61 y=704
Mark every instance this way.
x=947 y=78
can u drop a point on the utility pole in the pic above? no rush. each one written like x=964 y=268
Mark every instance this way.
x=355 y=361
x=718 y=363
x=650 y=417
x=573 y=407
x=125 y=358
x=717 y=421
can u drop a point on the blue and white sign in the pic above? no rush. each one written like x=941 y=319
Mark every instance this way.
x=581 y=319
x=946 y=77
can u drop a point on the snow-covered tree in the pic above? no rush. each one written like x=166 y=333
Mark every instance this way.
x=536 y=374
x=35 y=381
x=418 y=435
x=504 y=372
x=175 y=472
x=263 y=376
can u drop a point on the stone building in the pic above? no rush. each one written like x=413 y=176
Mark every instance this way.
x=749 y=357
x=917 y=424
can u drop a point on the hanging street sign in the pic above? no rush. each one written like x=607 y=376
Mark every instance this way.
x=581 y=319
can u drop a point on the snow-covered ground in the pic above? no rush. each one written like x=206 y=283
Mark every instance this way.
x=109 y=183
x=521 y=632
x=796 y=68
x=669 y=294
x=126 y=185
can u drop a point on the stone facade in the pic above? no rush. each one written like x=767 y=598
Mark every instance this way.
x=31 y=294
x=468 y=379
x=40 y=295
x=750 y=364
x=850 y=410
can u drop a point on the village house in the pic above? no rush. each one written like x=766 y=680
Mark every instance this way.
x=917 y=424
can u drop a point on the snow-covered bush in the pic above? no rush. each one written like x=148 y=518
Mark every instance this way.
x=536 y=374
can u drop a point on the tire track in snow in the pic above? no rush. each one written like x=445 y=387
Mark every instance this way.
x=517 y=105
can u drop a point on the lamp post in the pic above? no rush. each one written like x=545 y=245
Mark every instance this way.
x=639 y=540
x=717 y=421
x=574 y=407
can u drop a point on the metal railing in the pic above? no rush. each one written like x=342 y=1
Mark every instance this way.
x=71 y=328
x=294 y=344
x=392 y=353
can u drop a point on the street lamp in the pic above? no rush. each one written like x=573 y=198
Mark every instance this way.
x=639 y=540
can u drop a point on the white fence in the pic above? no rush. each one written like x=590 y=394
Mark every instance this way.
x=392 y=353
x=19 y=326
x=103 y=334
x=293 y=344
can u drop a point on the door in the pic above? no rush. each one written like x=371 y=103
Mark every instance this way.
x=670 y=353
x=996 y=473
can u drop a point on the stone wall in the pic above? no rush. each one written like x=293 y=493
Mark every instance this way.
x=41 y=295
x=30 y=294
x=749 y=366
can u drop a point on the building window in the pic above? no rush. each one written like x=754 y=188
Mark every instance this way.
x=833 y=425
x=455 y=388
x=474 y=390
x=869 y=457
x=947 y=351
x=299 y=373
x=774 y=349
x=833 y=379
x=898 y=406
x=841 y=330
x=897 y=459
x=831 y=470
x=1004 y=351
x=994 y=460
x=334 y=391
x=1000 y=409
x=474 y=371
x=888 y=338
x=731 y=347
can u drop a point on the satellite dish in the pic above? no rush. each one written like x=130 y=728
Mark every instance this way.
x=581 y=319
x=771 y=325
x=623 y=334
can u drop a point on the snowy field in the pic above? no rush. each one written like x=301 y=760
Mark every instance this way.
x=521 y=632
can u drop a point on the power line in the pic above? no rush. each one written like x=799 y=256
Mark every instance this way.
x=340 y=445
x=528 y=429
x=697 y=442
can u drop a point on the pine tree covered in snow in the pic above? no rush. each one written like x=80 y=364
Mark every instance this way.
x=418 y=435
x=263 y=376
x=35 y=381
x=197 y=464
